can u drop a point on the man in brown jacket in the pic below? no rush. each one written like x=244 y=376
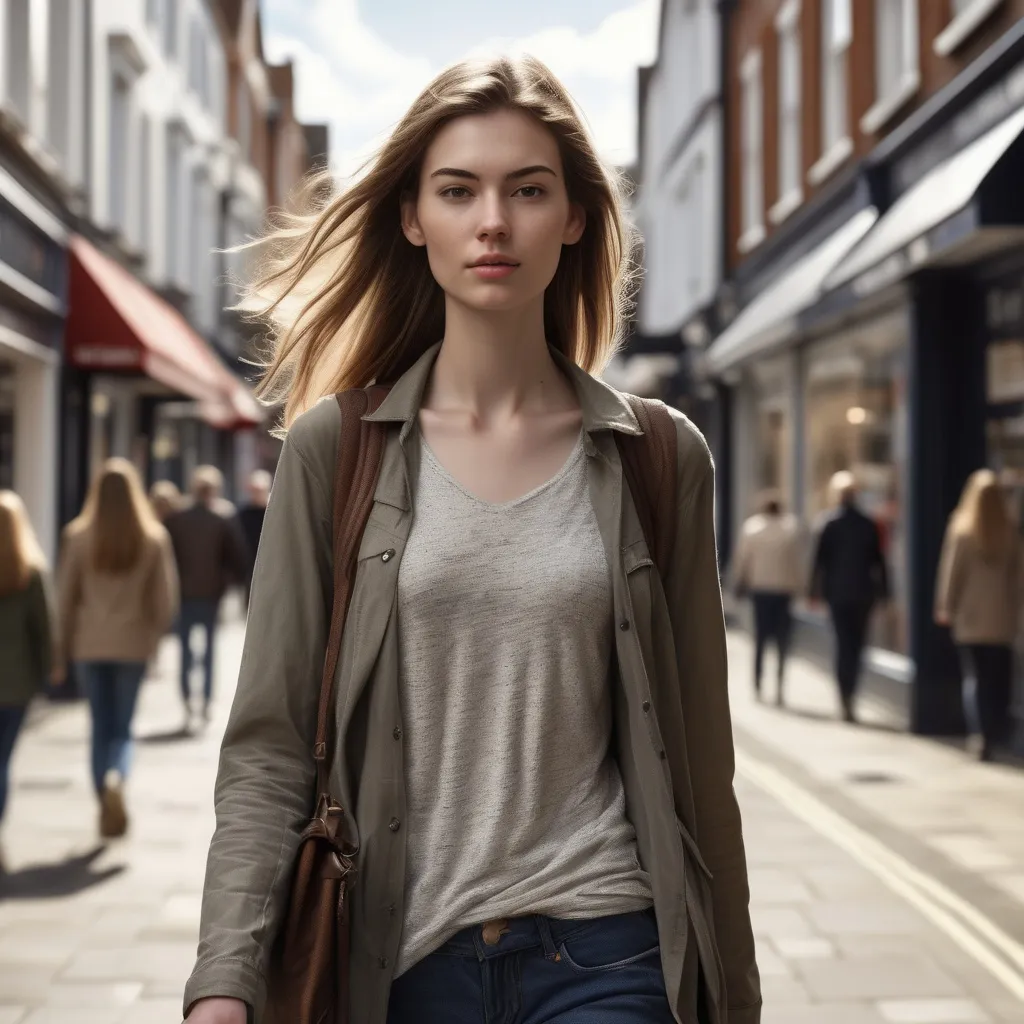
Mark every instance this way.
x=211 y=555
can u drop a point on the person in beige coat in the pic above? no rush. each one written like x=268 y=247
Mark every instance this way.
x=770 y=566
x=978 y=595
x=118 y=593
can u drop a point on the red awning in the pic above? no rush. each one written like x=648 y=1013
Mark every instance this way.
x=116 y=323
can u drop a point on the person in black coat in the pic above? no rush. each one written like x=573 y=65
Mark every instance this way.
x=250 y=519
x=850 y=576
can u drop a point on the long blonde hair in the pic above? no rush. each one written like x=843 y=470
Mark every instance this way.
x=347 y=300
x=983 y=515
x=20 y=554
x=118 y=518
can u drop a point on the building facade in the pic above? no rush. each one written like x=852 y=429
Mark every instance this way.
x=874 y=244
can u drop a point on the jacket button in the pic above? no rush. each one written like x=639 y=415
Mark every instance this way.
x=394 y=824
x=646 y=705
x=382 y=962
x=624 y=625
x=397 y=733
x=388 y=555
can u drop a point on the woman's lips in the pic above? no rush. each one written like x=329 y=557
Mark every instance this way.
x=493 y=271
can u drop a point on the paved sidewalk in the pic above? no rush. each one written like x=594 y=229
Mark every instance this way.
x=93 y=935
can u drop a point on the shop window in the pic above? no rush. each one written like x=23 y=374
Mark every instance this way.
x=772 y=450
x=752 y=128
x=787 y=25
x=836 y=37
x=856 y=420
x=897 y=76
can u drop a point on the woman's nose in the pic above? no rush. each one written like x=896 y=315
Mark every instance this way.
x=493 y=219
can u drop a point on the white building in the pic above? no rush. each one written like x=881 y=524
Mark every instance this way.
x=679 y=206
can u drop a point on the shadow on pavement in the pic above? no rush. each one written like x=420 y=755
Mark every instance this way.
x=54 y=881
x=180 y=735
x=825 y=716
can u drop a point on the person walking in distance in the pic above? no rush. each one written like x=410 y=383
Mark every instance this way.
x=117 y=595
x=210 y=555
x=165 y=498
x=26 y=638
x=529 y=730
x=978 y=594
x=769 y=565
x=850 y=575
x=250 y=519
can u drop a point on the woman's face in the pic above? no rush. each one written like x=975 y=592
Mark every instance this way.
x=493 y=210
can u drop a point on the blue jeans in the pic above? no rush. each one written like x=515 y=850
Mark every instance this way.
x=10 y=725
x=542 y=971
x=202 y=613
x=113 y=689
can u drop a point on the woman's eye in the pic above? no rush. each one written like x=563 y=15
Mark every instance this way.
x=451 y=191
x=534 y=190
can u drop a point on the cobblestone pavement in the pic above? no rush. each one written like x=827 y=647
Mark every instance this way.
x=887 y=871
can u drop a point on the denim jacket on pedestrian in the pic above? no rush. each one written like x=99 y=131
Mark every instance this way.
x=672 y=722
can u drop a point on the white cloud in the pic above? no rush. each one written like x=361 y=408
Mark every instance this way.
x=359 y=83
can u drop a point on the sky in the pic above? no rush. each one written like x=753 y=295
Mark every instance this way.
x=359 y=64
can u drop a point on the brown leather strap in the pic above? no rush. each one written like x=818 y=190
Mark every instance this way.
x=360 y=454
x=649 y=465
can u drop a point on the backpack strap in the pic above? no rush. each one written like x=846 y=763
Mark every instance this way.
x=360 y=455
x=649 y=466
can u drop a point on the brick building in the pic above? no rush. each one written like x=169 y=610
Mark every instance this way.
x=874 y=301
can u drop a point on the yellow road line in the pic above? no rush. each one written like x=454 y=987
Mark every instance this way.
x=999 y=953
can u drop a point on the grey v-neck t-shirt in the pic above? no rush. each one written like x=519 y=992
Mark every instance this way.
x=515 y=804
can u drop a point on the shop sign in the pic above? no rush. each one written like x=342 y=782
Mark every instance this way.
x=986 y=111
x=1005 y=372
x=106 y=357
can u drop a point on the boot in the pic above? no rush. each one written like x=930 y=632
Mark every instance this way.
x=113 y=815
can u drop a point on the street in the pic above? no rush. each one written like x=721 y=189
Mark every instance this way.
x=887 y=871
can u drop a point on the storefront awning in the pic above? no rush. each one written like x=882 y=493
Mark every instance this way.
x=770 y=318
x=902 y=238
x=115 y=323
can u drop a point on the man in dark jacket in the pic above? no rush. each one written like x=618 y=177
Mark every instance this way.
x=850 y=575
x=210 y=553
x=250 y=519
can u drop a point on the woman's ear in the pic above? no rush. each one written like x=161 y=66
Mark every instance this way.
x=575 y=225
x=411 y=221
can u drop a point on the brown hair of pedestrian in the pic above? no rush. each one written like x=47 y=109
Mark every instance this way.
x=20 y=554
x=983 y=515
x=346 y=300
x=118 y=517
x=165 y=499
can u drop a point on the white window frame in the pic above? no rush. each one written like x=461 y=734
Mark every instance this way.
x=790 y=129
x=752 y=152
x=836 y=40
x=18 y=60
x=963 y=24
x=126 y=64
x=893 y=96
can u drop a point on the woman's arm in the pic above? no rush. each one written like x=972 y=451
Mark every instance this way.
x=695 y=605
x=68 y=585
x=266 y=779
x=947 y=578
x=41 y=626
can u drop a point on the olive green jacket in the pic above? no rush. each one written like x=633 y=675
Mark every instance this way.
x=674 y=737
x=26 y=642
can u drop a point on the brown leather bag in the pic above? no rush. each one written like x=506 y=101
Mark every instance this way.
x=308 y=978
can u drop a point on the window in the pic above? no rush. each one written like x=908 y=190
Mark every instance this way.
x=966 y=16
x=170 y=27
x=174 y=184
x=244 y=123
x=197 y=61
x=752 y=146
x=896 y=60
x=18 y=84
x=145 y=192
x=118 y=155
x=790 y=109
x=837 y=34
x=153 y=12
x=60 y=64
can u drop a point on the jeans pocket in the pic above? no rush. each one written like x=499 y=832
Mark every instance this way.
x=616 y=942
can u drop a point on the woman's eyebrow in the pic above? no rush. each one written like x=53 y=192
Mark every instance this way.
x=523 y=172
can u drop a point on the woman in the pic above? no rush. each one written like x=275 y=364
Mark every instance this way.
x=118 y=592
x=165 y=499
x=978 y=594
x=479 y=265
x=25 y=635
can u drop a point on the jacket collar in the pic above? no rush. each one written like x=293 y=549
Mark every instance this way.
x=602 y=406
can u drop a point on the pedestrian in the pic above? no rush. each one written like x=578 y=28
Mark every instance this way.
x=26 y=638
x=210 y=555
x=165 y=498
x=519 y=701
x=769 y=565
x=979 y=591
x=850 y=575
x=250 y=519
x=117 y=594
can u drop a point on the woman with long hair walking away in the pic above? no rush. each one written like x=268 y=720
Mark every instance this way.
x=118 y=592
x=26 y=642
x=979 y=592
x=529 y=730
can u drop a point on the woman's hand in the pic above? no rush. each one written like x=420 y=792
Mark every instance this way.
x=218 y=1010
